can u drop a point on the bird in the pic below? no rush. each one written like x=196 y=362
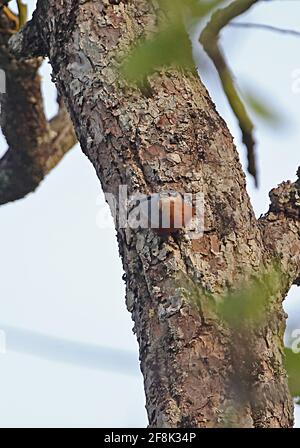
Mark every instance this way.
x=166 y=213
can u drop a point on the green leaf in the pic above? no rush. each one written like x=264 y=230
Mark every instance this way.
x=249 y=302
x=170 y=44
x=262 y=109
x=292 y=364
x=177 y=9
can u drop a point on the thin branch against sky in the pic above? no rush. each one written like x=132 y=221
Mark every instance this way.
x=265 y=27
x=62 y=350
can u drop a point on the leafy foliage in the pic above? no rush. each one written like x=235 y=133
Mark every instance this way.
x=262 y=110
x=170 y=44
x=292 y=363
x=158 y=52
x=249 y=302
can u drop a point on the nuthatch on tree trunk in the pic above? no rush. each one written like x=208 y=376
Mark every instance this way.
x=166 y=213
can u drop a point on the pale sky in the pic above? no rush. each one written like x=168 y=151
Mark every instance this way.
x=61 y=293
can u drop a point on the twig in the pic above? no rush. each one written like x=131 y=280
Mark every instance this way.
x=22 y=9
x=210 y=41
x=265 y=27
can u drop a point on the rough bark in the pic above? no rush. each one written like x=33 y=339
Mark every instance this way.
x=195 y=372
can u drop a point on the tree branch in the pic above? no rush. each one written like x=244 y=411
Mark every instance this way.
x=210 y=41
x=281 y=228
x=27 y=43
x=264 y=27
x=186 y=357
x=35 y=145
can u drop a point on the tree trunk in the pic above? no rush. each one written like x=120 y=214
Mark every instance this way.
x=196 y=372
